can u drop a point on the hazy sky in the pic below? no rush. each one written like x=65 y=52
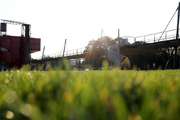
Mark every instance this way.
x=79 y=21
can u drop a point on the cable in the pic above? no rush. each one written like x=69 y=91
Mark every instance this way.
x=168 y=24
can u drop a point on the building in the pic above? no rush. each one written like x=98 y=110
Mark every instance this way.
x=12 y=49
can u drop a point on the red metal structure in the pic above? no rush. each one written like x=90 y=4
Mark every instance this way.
x=12 y=49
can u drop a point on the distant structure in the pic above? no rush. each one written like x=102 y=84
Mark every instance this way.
x=15 y=50
x=113 y=50
x=102 y=49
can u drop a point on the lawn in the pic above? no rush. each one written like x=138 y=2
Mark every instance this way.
x=90 y=95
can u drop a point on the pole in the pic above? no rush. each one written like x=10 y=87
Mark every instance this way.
x=177 y=36
x=119 y=47
x=177 y=30
x=43 y=52
x=64 y=47
x=26 y=43
x=175 y=61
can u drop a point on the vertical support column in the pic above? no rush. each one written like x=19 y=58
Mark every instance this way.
x=26 y=44
x=43 y=52
x=177 y=36
x=177 y=30
x=64 y=48
x=175 y=58
x=118 y=47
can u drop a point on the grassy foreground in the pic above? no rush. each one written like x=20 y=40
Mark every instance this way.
x=90 y=95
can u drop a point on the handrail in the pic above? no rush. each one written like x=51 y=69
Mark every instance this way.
x=79 y=51
x=155 y=38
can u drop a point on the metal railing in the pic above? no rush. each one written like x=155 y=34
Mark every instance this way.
x=79 y=51
x=155 y=37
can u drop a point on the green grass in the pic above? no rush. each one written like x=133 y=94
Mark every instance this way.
x=90 y=95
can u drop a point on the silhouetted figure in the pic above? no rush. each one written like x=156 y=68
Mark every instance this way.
x=148 y=66
x=125 y=65
x=154 y=66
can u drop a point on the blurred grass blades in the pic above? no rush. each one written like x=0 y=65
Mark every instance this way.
x=91 y=95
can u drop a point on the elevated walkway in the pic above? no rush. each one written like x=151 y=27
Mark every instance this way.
x=141 y=44
x=146 y=44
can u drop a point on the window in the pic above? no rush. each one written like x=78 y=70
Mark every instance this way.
x=3 y=49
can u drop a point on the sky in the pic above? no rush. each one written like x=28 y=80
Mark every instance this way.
x=80 y=21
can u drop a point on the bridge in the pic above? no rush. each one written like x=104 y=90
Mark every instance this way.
x=151 y=43
x=71 y=54
x=141 y=44
x=155 y=42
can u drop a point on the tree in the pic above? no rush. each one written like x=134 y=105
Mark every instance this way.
x=97 y=51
